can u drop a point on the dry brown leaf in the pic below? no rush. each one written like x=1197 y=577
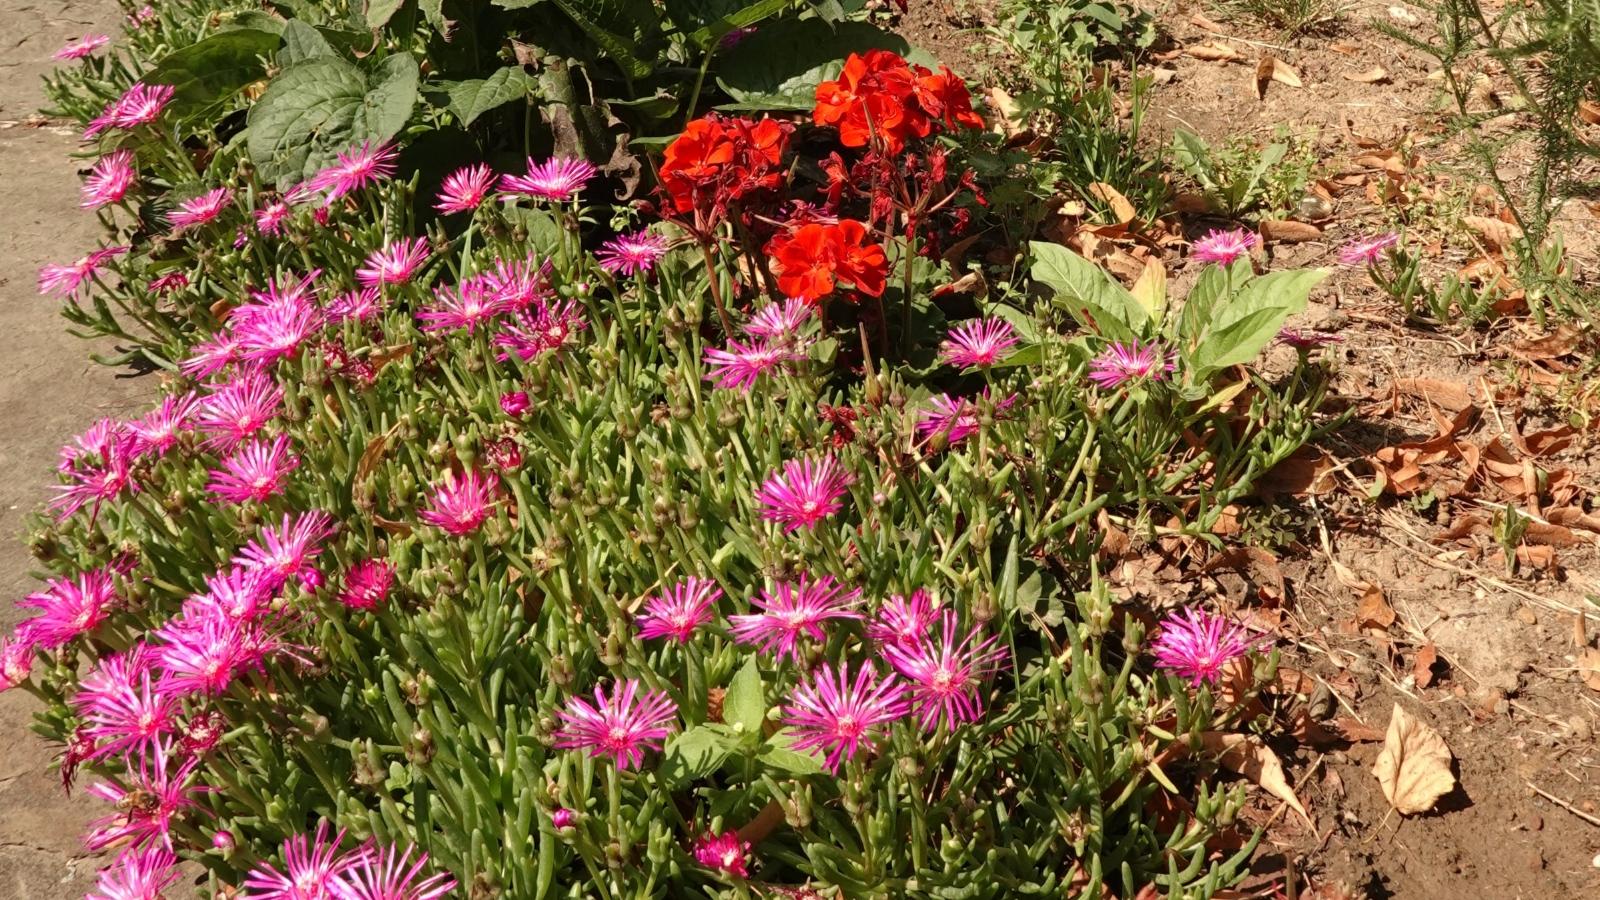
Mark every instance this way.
x=1589 y=667
x=1248 y=756
x=1589 y=111
x=1306 y=472
x=1008 y=118
x=1200 y=21
x=1374 y=611
x=1288 y=231
x=1110 y=196
x=1422 y=666
x=1374 y=75
x=1497 y=233
x=1414 y=766
x=1448 y=395
x=1214 y=51
x=1550 y=346
x=1270 y=69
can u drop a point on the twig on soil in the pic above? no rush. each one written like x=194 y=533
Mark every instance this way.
x=1592 y=820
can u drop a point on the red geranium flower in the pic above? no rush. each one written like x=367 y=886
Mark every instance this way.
x=811 y=259
x=880 y=96
x=717 y=160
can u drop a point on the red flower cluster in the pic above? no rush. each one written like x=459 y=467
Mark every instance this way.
x=882 y=97
x=717 y=160
x=809 y=260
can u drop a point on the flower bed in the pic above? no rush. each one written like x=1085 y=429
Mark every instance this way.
x=520 y=529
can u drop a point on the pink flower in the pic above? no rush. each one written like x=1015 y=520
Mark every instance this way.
x=255 y=471
x=94 y=484
x=237 y=594
x=209 y=357
x=1308 y=339
x=285 y=551
x=394 y=264
x=622 y=726
x=201 y=209
x=632 y=254
x=367 y=584
x=238 y=409
x=1368 y=251
x=139 y=17
x=738 y=367
x=679 y=610
x=469 y=304
x=279 y=320
x=514 y=403
x=313 y=869
x=386 y=873
x=157 y=432
x=204 y=655
x=1196 y=645
x=795 y=610
x=944 y=674
x=778 y=321
x=16 y=661
x=902 y=620
x=66 y=280
x=842 y=717
x=803 y=493
x=139 y=105
x=358 y=306
x=69 y=608
x=166 y=284
x=110 y=180
x=724 y=852
x=561 y=817
x=544 y=329
x=519 y=284
x=554 y=179
x=137 y=875
x=955 y=418
x=1223 y=247
x=153 y=796
x=82 y=47
x=270 y=218
x=1121 y=363
x=465 y=189
x=978 y=342
x=461 y=504
x=124 y=706
x=355 y=168
x=223 y=840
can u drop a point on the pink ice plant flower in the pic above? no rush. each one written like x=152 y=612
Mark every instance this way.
x=944 y=674
x=140 y=104
x=1121 y=364
x=200 y=210
x=313 y=869
x=394 y=264
x=724 y=852
x=271 y=216
x=561 y=817
x=556 y=179
x=462 y=502
x=793 y=611
x=83 y=47
x=367 y=584
x=112 y=176
x=521 y=284
x=354 y=306
x=632 y=254
x=16 y=661
x=388 y=873
x=365 y=164
x=515 y=403
x=1223 y=247
x=841 y=716
x=779 y=321
x=546 y=328
x=166 y=284
x=254 y=471
x=956 y=418
x=1308 y=338
x=69 y=608
x=211 y=356
x=465 y=189
x=235 y=410
x=804 y=492
x=680 y=610
x=68 y=279
x=740 y=366
x=622 y=726
x=93 y=484
x=151 y=796
x=204 y=655
x=470 y=304
x=287 y=550
x=125 y=710
x=978 y=342
x=157 y=431
x=1196 y=645
x=137 y=875
x=237 y=594
x=902 y=620
x=1368 y=251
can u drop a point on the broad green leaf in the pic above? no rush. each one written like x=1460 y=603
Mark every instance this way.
x=471 y=99
x=302 y=42
x=253 y=19
x=1246 y=322
x=708 y=20
x=746 y=703
x=780 y=66
x=1089 y=293
x=213 y=70
x=319 y=107
x=1213 y=284
x=791 y=761
x=692 y=754
x=379 y=12
x=613 y=26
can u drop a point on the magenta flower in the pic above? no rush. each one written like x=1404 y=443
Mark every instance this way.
x=561 y=817
x=1368 y=251
x=469 y=304
x=738 y=367
x=554 y=179
x=386 y=873
x=367 y=584
x=955 y=418
x=16 y=661
x=166 y=284
x=238 y=409
x=137 y=875
x=255 y=471
x=285 y=551
x=209 y=357
x=394 y=264
x=139 y=105
x=1196 y=645
x=1308 y=339
x=356 y=306
x=778 y=321
x=1223 y=247
x=277 y=323
x=354 y=169
x=902 y=620
x=112 y=176
x=68 y=608
x=270 y=218
x=519 y=284
x=237 y=594
x=202 y=656
x=96 y=444
x=152 y=797
x=201 y=209
x=724 y=852
x=978 y=342
x=944 y=674
x=92 y=485
x=804 y=493
x=461 y=504
x=679 y=610
x=514 y=403
x=141 y=16
x=66 y=280
x=622 y=726
x=157 y=432
x=313 y=869
x=841 y=717
x=632 y=254
x=544 y=329
x=124 y=706
x=465 y=189
x=794 y=610
x=82 y=47
x=1120 y=364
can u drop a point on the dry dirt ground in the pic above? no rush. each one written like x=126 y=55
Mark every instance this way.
x=49 y=391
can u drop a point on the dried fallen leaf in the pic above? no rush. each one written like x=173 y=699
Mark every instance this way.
x=1374 y=75
x=1248 y=756
x=1422 y=666
x=1288 y=231
x=1589 y=667
x=1121 y=207
x=1008 y=117
x=1375 y=611
x=1270 y=69
x=1589 y=111
x=1214 y=51
x=1414 y=766
x=1448 y=395
x=1497 y=233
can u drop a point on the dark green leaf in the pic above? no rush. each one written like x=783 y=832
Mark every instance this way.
x=213 y=70
x=302 y=42
x=692 y=754
x=1089 y=293
x=317 y=108
x=471 y=99
x=379 y=12
x=1245 y=323
x=746 y=703
x=780 y=66
x=614 y=25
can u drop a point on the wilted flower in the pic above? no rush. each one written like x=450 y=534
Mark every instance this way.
x=1196 y=645
x=944 y=673
x=794 y=610
x=1308 y=339
x=978 y=342
x=546 y=329
x=680 y=610
x=254 y=471
x=16 y=661
x=840 y=716
x=956 y=418
x=200 y=210
x=632 y=254
x=462 y=503
x=109 y=180
x=82 y=47
x=554 y=179
x=622 y=726
x=367 y=584
x=67 y=279
x=166 y=284
x=1368 y=251
x=1223 y=247
x=724 y=852
x=465 y=189
x=394 y=264
x=804 y=493
x=514 y=403
x=1121 y=363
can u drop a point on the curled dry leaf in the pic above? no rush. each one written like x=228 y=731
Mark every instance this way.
x=1422 y=666
x=1589 y=667
x=1248 y=756
x=1374 y=75
x=1214 y=51
x=1497 y=233
x=1288 y=231
x=1414 y=767
x=1008 y=117
x=1121 y=207
x=1375 y=611
x=1270 y=69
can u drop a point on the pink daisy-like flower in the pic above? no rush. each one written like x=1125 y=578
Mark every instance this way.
x=201 y=209
x=978 y=342
x=356 y=306
x=137 y=875
x=66 y=280
x=465 y=189
x=944 y=674
x=92 y=485
x=679 y=610
x=82 y=47
x=255 y=471
x=203 y=656
x=209 y=357
x=554 y=179
x=16 y=661
x=840 y=716
x=157 y=431
x=632 y=254
x=313 y=869
x=741 y=365
x=166 y=284
x=285 y=551
x=902 y=620
x=1120 y=364
x=724 y=852
x=237 y=594
x=270 y=217
x=515 y=403
x=394 y=264
x=367 y=584
x=112 y=176
x=804 y=493
x=622 y=726
x=355 y=168
x=544 y=329
x=237 y=409
x=387 y=873
x=463 y=502
x=1368 y=251
x=68 y=608
x=1196 y=645
x=521 y=284
x=152 y=797
x=471 y=303
x=96 y=444
x=956 y=418
x=124 y=707
x=1308 y=339
x=1223 y=247
x=141 y=16
x=794 y=610
x=778 y=321
x=141 y=104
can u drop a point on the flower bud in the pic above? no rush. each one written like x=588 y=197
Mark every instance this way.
x=420 y=750
x=515 y=403
x=223 y=841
